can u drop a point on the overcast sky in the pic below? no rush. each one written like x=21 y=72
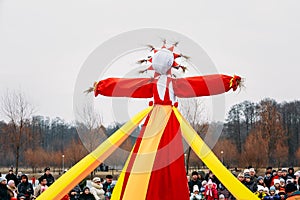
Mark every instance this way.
x=43 y=44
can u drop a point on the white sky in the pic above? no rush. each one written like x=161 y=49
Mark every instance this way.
x=43 y=44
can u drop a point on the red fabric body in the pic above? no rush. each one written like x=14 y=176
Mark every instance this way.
x=168 y=179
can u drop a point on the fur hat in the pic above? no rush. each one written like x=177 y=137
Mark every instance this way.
x=272 y=188
x=276 y=181
x=2 y=179
x=284 y=170
x=266 y=189
x=251 y=170
x=297 y=173
x=290 y=180
x=260 y=188
x=195 y=188
x=96 y=179
x=10 y=182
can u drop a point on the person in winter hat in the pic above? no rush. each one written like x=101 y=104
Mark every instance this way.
x=282 y=193
x=75 y=192
x=211 y=192
x=196 y=195
x=277 y=185
x=194 y=181
x=11 y=176
x=282 y=183
x=253 y=174
x=249 y=183
x=241 y=177
x=86 y=194
x=48 y=176
x=202 y=189
x=97 y=189
x=291 y=172
x=12 y=189
x=272 y=194
x=4 y=194
x=268 y=179
x=260 y=181
x=25 y=187
x=260 y=192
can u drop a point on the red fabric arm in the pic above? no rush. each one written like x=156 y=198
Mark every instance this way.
x=125 y=87
x=205 y=85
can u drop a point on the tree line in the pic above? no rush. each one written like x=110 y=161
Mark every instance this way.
x=261 y=134
x=257 y=134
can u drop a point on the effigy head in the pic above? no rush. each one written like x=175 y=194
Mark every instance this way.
x=162 y=61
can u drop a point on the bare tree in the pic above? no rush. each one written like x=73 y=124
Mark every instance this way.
x=90 y=128
x=227 y=152
x=17 y=110
x=75 y=151
x=266 y=143
x=234 y=125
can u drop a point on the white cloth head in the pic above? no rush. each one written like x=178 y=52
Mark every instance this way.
x=162 y=61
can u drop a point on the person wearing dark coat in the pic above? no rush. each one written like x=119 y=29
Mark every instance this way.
x=86 y=195
x=25 y=187
x=292 y=191
x=250 y=184
x=268 y=179
x=4 y=194
x=194 y=181
x=108 y=186
x=291 y=173
x=75 y=192
x=12 y=176
x=48 y=176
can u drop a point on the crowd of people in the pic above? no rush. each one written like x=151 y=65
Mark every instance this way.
x=18 y=187
x=281 y=184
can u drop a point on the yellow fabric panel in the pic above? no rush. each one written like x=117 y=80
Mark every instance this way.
x=212 y=162
x=77 y=173
x=118 y=188
x=138 y=180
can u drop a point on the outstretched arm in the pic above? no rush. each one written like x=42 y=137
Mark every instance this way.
x=125 y=87
x=205 y=85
